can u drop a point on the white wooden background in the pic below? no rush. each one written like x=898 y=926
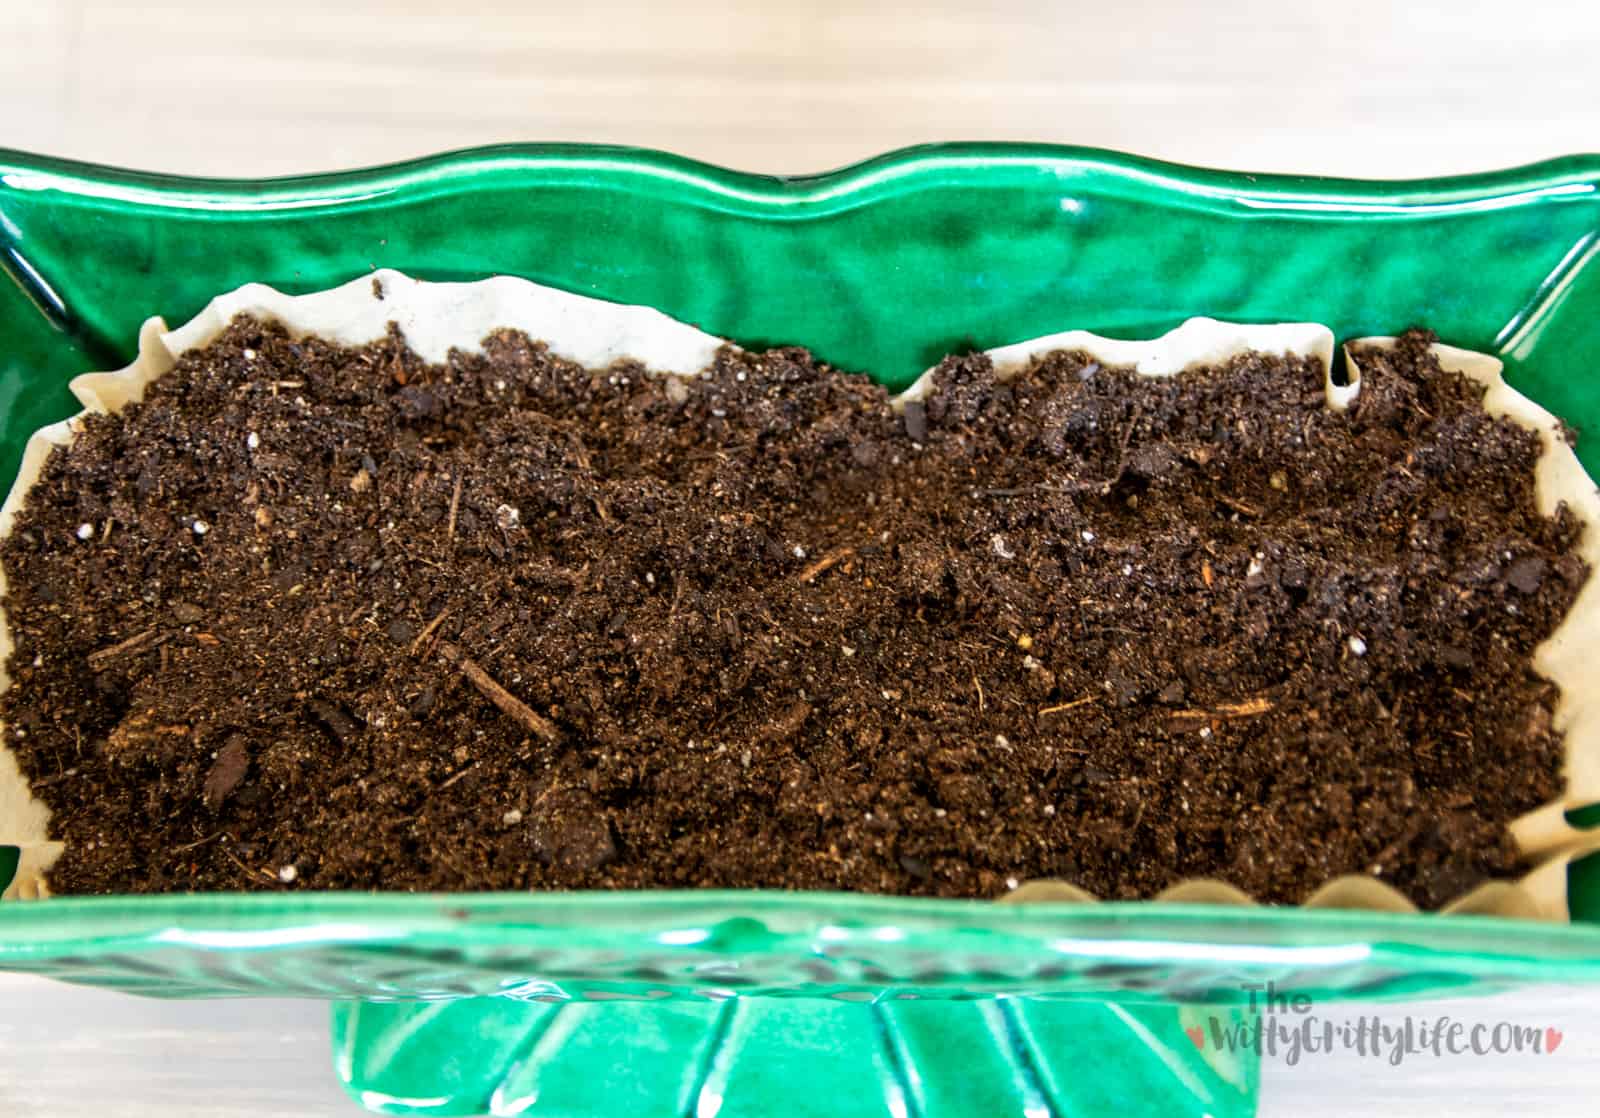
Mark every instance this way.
x=1375 y=88
x=1381 y=88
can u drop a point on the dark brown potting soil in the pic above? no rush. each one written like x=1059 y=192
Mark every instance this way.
x=313 y=617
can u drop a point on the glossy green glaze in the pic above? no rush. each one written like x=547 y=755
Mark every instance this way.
x=881 y=267
x=750 y=1057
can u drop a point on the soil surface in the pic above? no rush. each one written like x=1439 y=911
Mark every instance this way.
x=313 y=617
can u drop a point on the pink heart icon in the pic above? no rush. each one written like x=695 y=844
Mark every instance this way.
x=1552 y=1039
x=1197 y=1036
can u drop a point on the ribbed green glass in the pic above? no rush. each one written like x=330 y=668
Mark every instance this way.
x=881 y=267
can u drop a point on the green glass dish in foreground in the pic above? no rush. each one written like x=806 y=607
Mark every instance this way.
x=881 y=267
x=669 y=944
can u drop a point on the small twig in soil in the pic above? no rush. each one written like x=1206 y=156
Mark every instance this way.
x=135 y=643
x=1401 y=843
x=1073 y=488
x=1222 y=712
x=1059 y=707
x=579 y=451
x=586 y=464
x=783 y=633
x=432 y=628
x=1247 y=709
x=978 y=687
x=455 y=777
x=197 y=842
x=508 y=703
x=829 y=559
x=1238 y=506
x=268 y=874
x=455 y=506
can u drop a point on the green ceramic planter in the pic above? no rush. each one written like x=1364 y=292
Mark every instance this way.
x=735 y=1003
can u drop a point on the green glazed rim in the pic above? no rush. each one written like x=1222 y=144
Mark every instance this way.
x=882 y=267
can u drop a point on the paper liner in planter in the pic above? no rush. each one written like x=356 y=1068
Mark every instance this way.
x=1570 y=657
x=436 y=317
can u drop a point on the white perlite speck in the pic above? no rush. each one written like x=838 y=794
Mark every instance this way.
x=507 y=517
x=1088 y=536
x=253 y=442
x=799 y=552
x=287 y=874
x=1357 y=646
x=511 y=818
x=86 y=531
x=201 y=527
x=1001 y=548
